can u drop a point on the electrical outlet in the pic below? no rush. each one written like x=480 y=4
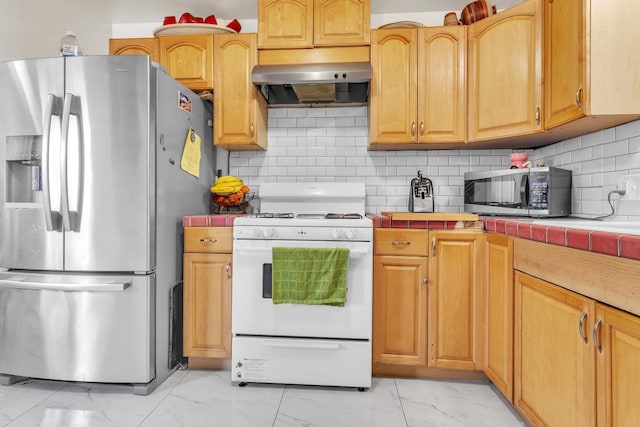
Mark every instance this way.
x=631 y=184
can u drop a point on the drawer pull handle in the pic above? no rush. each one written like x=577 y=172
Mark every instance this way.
x=581 y=327
x=228 y=270
x=207 y=241
x=596 y=341
x=400 y=243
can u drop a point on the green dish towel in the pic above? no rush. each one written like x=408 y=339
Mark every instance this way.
x=309 y=275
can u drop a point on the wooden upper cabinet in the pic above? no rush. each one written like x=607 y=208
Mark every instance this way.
x=135 y=46
x=285 y=24
x=564 y=61
x=341 y=22
x=188 y=59
x=393 y=99
x=240 y=121
x=290 y=24
x=418 y=88
x=592 y=67
x=442 y=88
x=505 y=73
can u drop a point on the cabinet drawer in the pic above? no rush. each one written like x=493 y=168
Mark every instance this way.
x=208 y=239
x=400 y=242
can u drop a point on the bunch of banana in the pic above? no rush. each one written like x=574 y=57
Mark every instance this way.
x=227 y=185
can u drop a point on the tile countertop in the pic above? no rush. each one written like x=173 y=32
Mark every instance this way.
x=217 y=220
x=615 y=239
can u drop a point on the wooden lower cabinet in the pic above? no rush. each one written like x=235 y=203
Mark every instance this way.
x=400 y=310
x=456 y=300
x=499 y=312
x=207 y=292
x=618 y=367
x=426 y=309
x=577 y=361
x=555 y=383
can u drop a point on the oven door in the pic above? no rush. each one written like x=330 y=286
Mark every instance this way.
x=253 y=312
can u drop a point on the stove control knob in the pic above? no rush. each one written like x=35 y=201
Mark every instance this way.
x=351 y=233
x=256 y=232
x=268 y=232
x=335 y=233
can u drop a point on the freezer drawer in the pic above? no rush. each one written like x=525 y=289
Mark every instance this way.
x=343 y=363
x=95 y=328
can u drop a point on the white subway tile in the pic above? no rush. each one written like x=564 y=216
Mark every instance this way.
x=628 y=161
x=582 y=155
x=628 y=130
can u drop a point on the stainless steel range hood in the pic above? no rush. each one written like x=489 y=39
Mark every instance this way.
x=300 y=85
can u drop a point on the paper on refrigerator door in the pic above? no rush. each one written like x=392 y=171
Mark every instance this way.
x=191 y=154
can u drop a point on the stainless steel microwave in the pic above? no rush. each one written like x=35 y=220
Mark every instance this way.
x=539 y=192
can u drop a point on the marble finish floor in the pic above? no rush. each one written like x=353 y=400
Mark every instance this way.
x=195 y=398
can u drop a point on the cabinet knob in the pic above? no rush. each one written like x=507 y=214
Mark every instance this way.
x=425 y=281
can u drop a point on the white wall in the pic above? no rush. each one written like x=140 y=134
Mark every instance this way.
x=330 y=144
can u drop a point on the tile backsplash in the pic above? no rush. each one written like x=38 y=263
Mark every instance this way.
x=330 y=144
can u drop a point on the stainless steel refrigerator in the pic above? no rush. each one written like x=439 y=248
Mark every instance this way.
x=92 y=196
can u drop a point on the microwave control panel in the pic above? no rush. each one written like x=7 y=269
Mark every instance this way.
x=538 y=191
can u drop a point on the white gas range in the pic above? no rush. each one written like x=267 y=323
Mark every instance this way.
x=311 y=344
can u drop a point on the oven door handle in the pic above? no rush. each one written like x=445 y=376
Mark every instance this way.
x=268 y=250
x=302 y=345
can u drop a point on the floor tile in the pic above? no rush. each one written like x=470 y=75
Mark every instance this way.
x=342 y=407
x=19 y=398
x=208 y=399
x=435 y=403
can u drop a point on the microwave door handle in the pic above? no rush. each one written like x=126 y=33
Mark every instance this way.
x=524 y=191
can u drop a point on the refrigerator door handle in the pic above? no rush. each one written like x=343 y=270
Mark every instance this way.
x=52 y=218
x=19 y=283
x=71 y=107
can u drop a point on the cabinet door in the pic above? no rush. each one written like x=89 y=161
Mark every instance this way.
x=618 y=361
x=499 y=291
x=505 y=73
x=189 y=59
x=207 y=305
x=564 y=77
x=456 y=300
x=285 y=24
x=400 y=310
x=135 y=46
x=240 y=119
x=442 y=89
x=393 y=100
x=341 y=22
x=554 y=357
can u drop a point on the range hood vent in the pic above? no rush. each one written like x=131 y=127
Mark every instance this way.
x=307 y=85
